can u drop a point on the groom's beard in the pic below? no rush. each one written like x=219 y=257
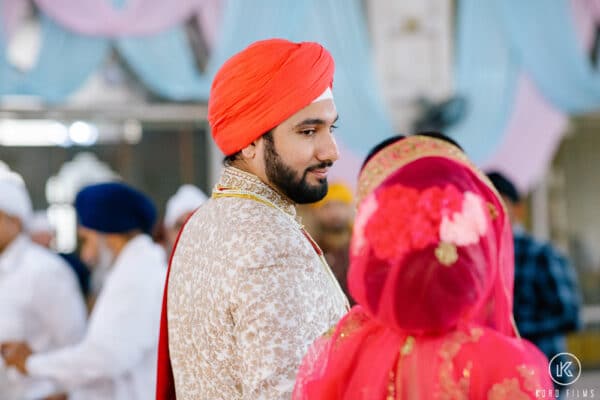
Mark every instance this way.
x=284 y=178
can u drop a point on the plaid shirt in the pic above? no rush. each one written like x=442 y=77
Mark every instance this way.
x=547 y=299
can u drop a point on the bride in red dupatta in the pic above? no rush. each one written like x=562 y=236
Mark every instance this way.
x=432 y=272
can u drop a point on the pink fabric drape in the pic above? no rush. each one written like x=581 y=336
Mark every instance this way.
x=533 y=133
x=209 y=17
x=535 y=128
x=137 y=17
x=12 y=12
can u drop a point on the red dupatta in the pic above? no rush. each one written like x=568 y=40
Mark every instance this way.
x=431 y=267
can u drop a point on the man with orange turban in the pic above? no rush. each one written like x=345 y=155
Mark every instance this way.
x=249 y=289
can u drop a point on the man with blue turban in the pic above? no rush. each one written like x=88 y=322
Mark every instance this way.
x=116 y=359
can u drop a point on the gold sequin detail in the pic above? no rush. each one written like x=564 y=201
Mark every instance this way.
x=351 y=324
x=391 y=388
x=529 y=378
x=329 y=333
x=408 y=346
x=507 y=389
x=467 y=370
x=476 y=334
x=446 y=253
x=395 y=382
x=493 y=211
x=449 y=387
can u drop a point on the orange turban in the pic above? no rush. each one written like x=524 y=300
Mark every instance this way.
x=262 y=86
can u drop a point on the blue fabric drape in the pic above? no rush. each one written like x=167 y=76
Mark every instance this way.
x=486 y=73
x=496 y=40
x=499 y=39
x=544 y=38
x=165 y=63
x=65 y=61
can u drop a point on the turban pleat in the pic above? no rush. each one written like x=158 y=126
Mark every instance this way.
x=262 y=86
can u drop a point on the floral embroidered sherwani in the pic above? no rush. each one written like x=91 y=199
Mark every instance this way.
x=247 y=295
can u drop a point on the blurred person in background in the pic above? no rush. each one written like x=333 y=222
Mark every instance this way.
x=332 y=224
x=547 y=298
x=40 y=229
x=431 y=270
x=179 y=207
x=40 y=300
x=43 y=233
x=116 y=359
x=249 y=289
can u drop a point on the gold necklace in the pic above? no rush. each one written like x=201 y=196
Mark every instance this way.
x=221 y=191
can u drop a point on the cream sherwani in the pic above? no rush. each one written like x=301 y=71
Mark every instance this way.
x=247 y=295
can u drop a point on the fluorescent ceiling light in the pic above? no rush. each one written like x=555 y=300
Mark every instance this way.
x=33 y=133
x=83 y=134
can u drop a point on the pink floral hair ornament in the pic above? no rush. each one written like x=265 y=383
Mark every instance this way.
x=435 y=216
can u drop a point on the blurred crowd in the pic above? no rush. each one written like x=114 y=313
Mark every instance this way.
x=84 y=324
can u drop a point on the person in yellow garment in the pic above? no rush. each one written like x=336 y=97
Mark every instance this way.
x=249 y=289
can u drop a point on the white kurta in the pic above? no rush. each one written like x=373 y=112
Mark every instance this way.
x=40 y=303
x=116 y=360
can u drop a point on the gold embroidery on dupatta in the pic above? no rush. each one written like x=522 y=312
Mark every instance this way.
x=329 y=333
x=403 y=152
x=467 y=370
x=476 y=334
x=528 y=374
x=352 y=323
x=493 y=211
x=449 y=387
x=507 y=389
x=391 y=388
x=395 y=382
x=408 y=346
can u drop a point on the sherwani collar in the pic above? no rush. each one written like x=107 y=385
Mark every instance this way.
x=236 y=179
